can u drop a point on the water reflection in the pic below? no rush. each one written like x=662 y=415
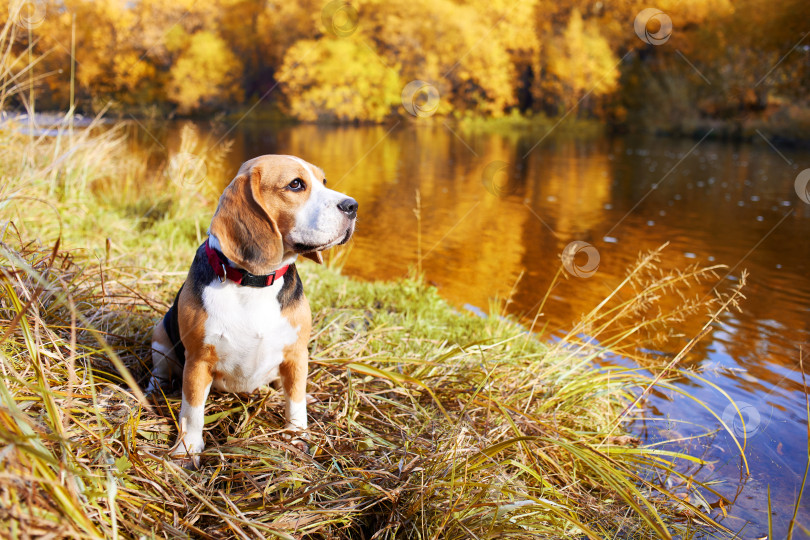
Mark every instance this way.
x=713 y=202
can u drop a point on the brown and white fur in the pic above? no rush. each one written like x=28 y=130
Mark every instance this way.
x=239 y=338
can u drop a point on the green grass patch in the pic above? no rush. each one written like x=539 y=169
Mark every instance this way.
x=515 y=124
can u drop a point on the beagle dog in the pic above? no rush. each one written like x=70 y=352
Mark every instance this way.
x=241 y=321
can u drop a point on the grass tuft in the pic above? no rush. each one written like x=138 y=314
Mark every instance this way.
x=427 y=423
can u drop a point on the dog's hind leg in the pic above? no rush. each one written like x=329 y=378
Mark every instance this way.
x=165 y=365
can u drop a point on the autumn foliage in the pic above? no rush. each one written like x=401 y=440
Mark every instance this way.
x=349 y=61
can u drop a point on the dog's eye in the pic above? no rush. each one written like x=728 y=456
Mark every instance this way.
x=297 y=185
x=324 y=181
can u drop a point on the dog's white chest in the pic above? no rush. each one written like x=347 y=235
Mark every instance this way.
x=249 y=333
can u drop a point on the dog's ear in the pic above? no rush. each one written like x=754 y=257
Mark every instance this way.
x=248 y=234
x=314 y=256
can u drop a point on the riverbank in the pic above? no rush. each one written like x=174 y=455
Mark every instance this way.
x=426 y=421
x=786 y=126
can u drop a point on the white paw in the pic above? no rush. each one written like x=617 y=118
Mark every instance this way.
x=153 y=387
x=295 y=430
x=187 y=451
x=296 y=437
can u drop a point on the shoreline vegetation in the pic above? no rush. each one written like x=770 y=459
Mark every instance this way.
x=427 y=422
x=788 y=128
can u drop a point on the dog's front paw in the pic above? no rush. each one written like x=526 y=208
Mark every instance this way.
x=297 y=437
x=186 y=452
x=155 y=386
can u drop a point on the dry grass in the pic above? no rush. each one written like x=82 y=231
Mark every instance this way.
x=428 y=424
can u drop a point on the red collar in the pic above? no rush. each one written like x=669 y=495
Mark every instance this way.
x=241 y=277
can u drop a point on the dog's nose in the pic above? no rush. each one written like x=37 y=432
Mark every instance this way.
x=348 y=207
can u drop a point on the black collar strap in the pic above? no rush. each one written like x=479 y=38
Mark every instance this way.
x=240 y=277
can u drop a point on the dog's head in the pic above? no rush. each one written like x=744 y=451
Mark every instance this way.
x=279 y=206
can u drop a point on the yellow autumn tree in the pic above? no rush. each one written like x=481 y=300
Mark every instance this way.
x=455 y=47
x=205 y=74
x=337 y=80
x=110 y=60
x=513 y=26
x=581 y=62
